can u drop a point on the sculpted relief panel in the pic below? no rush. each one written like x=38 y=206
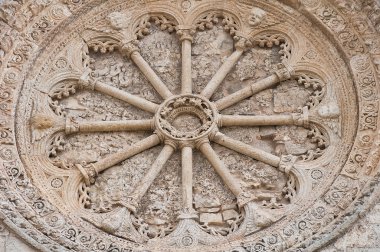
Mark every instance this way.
x=187 y=125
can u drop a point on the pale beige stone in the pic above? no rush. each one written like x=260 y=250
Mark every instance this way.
x=209 y=210
x=230 y=214
x=211 y=218
x=189 y=125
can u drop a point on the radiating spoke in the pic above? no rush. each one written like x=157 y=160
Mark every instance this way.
x=220 y=168
x=127 y=152
x=187 y=84
x=132 y=51
x=73 y=126
x=134 y=100
x=282 y=74
x=187 y=177
x=151 y=175
x=267 y=120
x=186 y=38
x=90 y=171
x=219 y=76
x=246 y=92
x=246 y=149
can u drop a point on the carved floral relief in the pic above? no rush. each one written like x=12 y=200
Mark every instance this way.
x=200 y=125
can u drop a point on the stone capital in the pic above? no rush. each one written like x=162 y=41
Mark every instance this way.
x=86 y=81
x=186 y=32
x=284 y=71
x=127 y=48
x=242 y=43
x=88 y=171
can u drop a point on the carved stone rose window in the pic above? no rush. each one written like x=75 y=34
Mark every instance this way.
x=186 y=125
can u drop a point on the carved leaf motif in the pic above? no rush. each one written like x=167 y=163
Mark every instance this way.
x=64 y=90
x=208 y=21
x=56 y=107
x=103 y=45
x=142 y=28
x=56 y=145
x=318 y=87
x=110 y=133
x=163 y=22
x=270 y=40
x=230 y=24
x=321 y=141
x=20 y=55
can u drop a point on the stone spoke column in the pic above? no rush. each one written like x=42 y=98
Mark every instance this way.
x=283 y=73
x=73 y=126
x=226 y=67
x=285 y=163
x=271 y=120
x=186 y=38
x=150 y=176
x=246 y=149
x=187 y=177
x=88 y=82
x=131 y=50
x=220 y=168
x=90 y=171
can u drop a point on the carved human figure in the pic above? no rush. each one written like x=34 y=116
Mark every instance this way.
x=256 y=16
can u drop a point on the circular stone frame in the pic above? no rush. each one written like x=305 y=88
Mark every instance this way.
x=31 y=30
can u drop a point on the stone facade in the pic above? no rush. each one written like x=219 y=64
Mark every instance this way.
x=362 y=236
x=192 y=125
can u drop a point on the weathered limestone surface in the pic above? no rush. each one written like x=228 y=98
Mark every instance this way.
x=363 y=236
x=10 y=242
x=190 y=125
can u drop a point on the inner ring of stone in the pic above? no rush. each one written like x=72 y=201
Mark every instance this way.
x=185 y=117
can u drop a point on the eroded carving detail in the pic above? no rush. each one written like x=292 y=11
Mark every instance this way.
x=184 y=126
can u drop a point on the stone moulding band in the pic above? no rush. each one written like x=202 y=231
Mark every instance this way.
x=61 y=63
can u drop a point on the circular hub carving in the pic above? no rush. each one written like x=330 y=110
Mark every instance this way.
x=186 y=117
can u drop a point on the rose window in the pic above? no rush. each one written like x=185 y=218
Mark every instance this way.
x=186 y=119
x=199 y=125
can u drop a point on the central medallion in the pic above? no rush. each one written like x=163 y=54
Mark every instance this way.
x=186 y=117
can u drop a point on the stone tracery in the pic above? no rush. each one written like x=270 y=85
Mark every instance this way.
x=282 y=138
x=165 y=131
